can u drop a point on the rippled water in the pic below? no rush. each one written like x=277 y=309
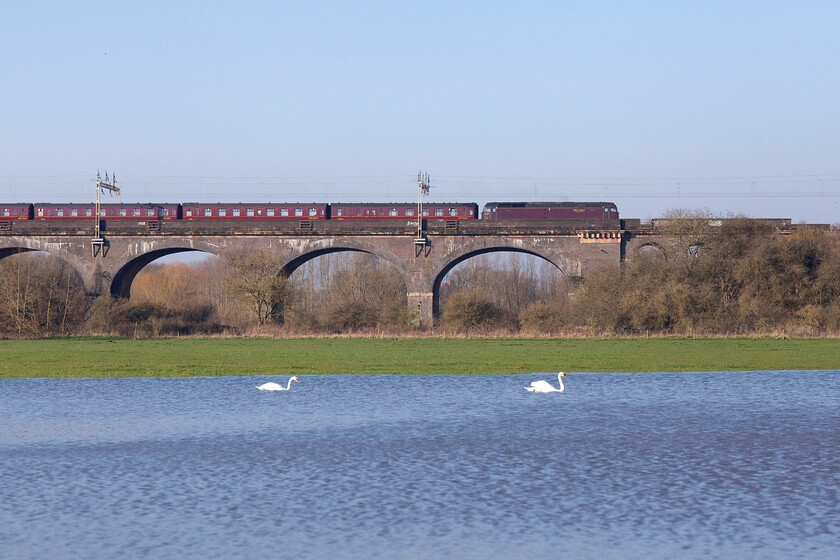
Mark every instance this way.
x=727 y=465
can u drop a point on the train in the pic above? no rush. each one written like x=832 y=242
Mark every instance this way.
x=201 y=211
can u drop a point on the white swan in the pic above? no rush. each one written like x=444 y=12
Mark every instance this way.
x=546 y=387
x=277 y=386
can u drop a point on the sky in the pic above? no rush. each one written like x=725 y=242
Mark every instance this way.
x=725 y=106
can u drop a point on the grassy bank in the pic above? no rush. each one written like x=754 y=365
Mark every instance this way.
x=104 y=357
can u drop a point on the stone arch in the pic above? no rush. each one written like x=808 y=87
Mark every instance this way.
x=323 y=248
x=123 y=278
x=18 y=250
x=9 y=251
x=469 y=253
x=651 y=247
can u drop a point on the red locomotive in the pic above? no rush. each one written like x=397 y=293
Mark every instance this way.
x=550 y=211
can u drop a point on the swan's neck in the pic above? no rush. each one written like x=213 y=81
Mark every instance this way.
x=560 y=380
x=289 y=385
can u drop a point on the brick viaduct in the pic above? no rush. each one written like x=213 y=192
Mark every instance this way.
x=574 y=248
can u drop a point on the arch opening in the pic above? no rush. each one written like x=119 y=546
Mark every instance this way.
x=41 y=294
x=343 y=289
x=651 y=250
x=497 y=283
x=123 y=279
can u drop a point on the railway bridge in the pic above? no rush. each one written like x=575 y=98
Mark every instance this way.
x=109 y=263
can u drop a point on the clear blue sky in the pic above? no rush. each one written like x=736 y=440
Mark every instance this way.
x=730 y=106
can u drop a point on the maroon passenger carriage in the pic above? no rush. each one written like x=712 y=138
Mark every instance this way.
x=137 y=211
x=16 y=211
x=404 y=210
x=550 y=211
x=255 y=211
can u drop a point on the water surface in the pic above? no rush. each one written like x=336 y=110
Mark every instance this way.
x=726 y=465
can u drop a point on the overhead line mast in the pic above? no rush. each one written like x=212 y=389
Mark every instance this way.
x=109 y=184
x=423 y=186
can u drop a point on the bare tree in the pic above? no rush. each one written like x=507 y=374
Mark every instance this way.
x=39 y=295
x=255 y=279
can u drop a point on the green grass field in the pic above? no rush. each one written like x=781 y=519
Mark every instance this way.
x=106 y=357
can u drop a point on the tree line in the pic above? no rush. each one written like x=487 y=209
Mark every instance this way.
x=701 y=277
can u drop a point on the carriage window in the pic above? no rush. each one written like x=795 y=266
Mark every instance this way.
x=298 y=211
x=189 y=212
x=74 y=211
x=284 y=211
x=425 y=211
x=87 y=212
x=438 y=211
x=164 y=211
x=221 y=212
x=409 y=211
x=338 y=211
x=269 y=211
x=313 y=211
x=135 y=211
x=121 y=212
x=207 y=212
x=392 y=212
x=150 y=211
x=5 y=212
x=234 y=211
x=59 y=211
x=453 y=211
x=249 y=211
